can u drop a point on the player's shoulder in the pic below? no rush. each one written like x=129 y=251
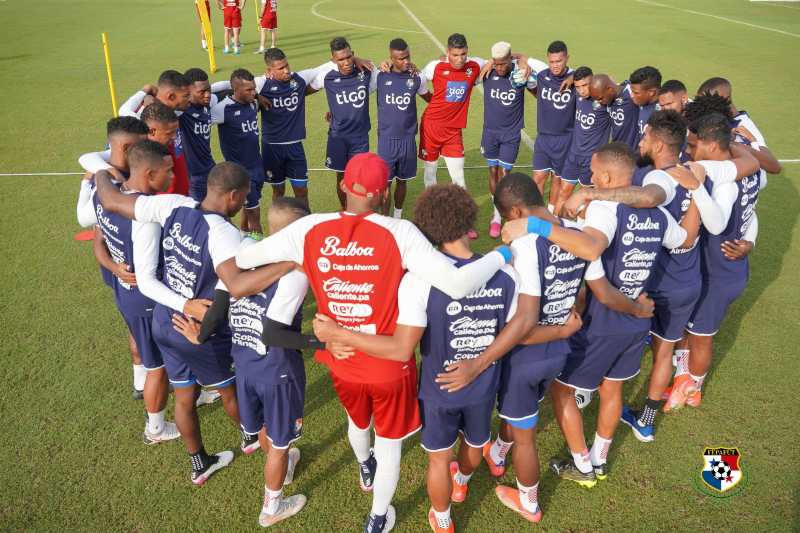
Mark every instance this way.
x=524 y=243
x=508 y=274
x=601 y=208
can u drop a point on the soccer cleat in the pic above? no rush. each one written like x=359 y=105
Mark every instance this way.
x=510 y=498
x=226 y=50
x=566 y=469
x=237 y=51
x=439 y=526
x=249 y=443
x=381 y=523
x=259 y=51
x=642 y=433
x=472 y=234
x=168 y=432
x=496 y=470
x=494 y=230
x=206 y=397
x=682 y=388
x=287 y=508
x=366 y=471
x=459 y=492
x=694 y=399
x=666 y=393
x=218 y=462
x=294 y=458
x=138 y=394
x=601 y=471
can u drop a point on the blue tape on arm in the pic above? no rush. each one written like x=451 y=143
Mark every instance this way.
x=540 y=227
x=505 y=251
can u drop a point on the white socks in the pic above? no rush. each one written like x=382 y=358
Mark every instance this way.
x=429 y=173
x=462 y=479
x=455 y=166
x=139 y=377
x=443 y=518
x=499 y=450
x=359 y=440
x=496 y=213
x=387 y=474
x=529 y=497
x=698 y=380
x=272 y=500
x=582 y=461
x=680 y=360
x=155 y=422
x=599 y=452
x=398 y=213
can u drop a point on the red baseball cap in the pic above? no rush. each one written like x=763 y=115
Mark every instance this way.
x=366 y=175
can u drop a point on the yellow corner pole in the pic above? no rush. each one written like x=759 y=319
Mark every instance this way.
x=204 y=20
x=256 y=3
x=109 y=75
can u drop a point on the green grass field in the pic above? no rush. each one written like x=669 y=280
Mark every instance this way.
x=72 y=456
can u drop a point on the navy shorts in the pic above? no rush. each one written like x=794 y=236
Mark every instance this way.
x=715 y=298
x=400 y=155
x=500 y=148
x=282 y=161
x=673 y=310
x=141 y=328
x=276 y=406
x=198 y=186
x=209 y=364
x=577 y=168
x=524 y=380
x=550 y=152
x=107 y=277
x=441 y=425
x=594 y=358
x=256 y=184
x=342 y=149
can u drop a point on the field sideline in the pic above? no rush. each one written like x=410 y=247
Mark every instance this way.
x=72 y=456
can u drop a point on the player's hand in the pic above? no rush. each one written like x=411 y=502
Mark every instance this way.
x=459 y=375
x=689 y=178
x=385 y=66
x=149 y=99
x=328 y=116
x=363 y=64
x=744 y=132
x=487 y=68
x=124 y=274
x=644 y=306
x=150 y=89
x=325 y=328
x=736 y=249
x=412 y=69
x=196 y=308
x=523 y=66
x=187 y=327
x=514 y=229
x=340 y=351
x=264 y=103
x=567 y=84
x=116 y=174
x=576 y=203
x=572 y=325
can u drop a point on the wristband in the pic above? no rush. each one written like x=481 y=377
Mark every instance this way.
x=505 y=251
x=539 y=227
x=316 y=344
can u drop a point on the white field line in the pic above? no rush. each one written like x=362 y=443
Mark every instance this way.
x=726 y=19
x=525 y=137
x=347 y=22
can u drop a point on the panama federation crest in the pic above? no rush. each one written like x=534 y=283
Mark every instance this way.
x=721 y=471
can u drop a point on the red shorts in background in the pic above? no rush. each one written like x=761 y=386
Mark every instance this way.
x=392 y=405
x=269 y=21
x=232 y=17
x=435 y=140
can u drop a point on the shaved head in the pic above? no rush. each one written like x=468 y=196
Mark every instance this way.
x=603 y=89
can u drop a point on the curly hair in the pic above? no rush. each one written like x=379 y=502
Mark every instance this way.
x=706 y=104
x=445 y=213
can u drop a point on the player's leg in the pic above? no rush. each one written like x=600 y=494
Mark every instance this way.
x=336 y=159
x=400 y=191
x=578 y=468
x=439 y=489
x=226 y=49
x=439 y=435
x=701 y=349
x=139 y=371
x=453 y=154
x=496 y=452
x=295 y=168
x=274 y=37
x=475 y=428
x=524 y=500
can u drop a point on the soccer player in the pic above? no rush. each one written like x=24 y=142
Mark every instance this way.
x=555 y=115
x=347 y=89
x=236 y=117
x=624 y=113
x=645 y=83
x=397 y=120
x=355 y=260
x=232 y=21
x=590 y=132
x=150 y=172
x=623 y=244
x=198 y=244
x=268 y=22
x=673 y=95
x=195 y=127
x=122 y=133
x=503 y=118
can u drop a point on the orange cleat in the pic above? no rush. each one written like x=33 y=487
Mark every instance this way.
x=494 y=469
x=510 y=498
x=459 y=492
x=666 y=393
x=694 y=399
x=683 y=387
x=437 y=527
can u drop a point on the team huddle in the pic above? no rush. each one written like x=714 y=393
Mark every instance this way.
x=651 y=249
